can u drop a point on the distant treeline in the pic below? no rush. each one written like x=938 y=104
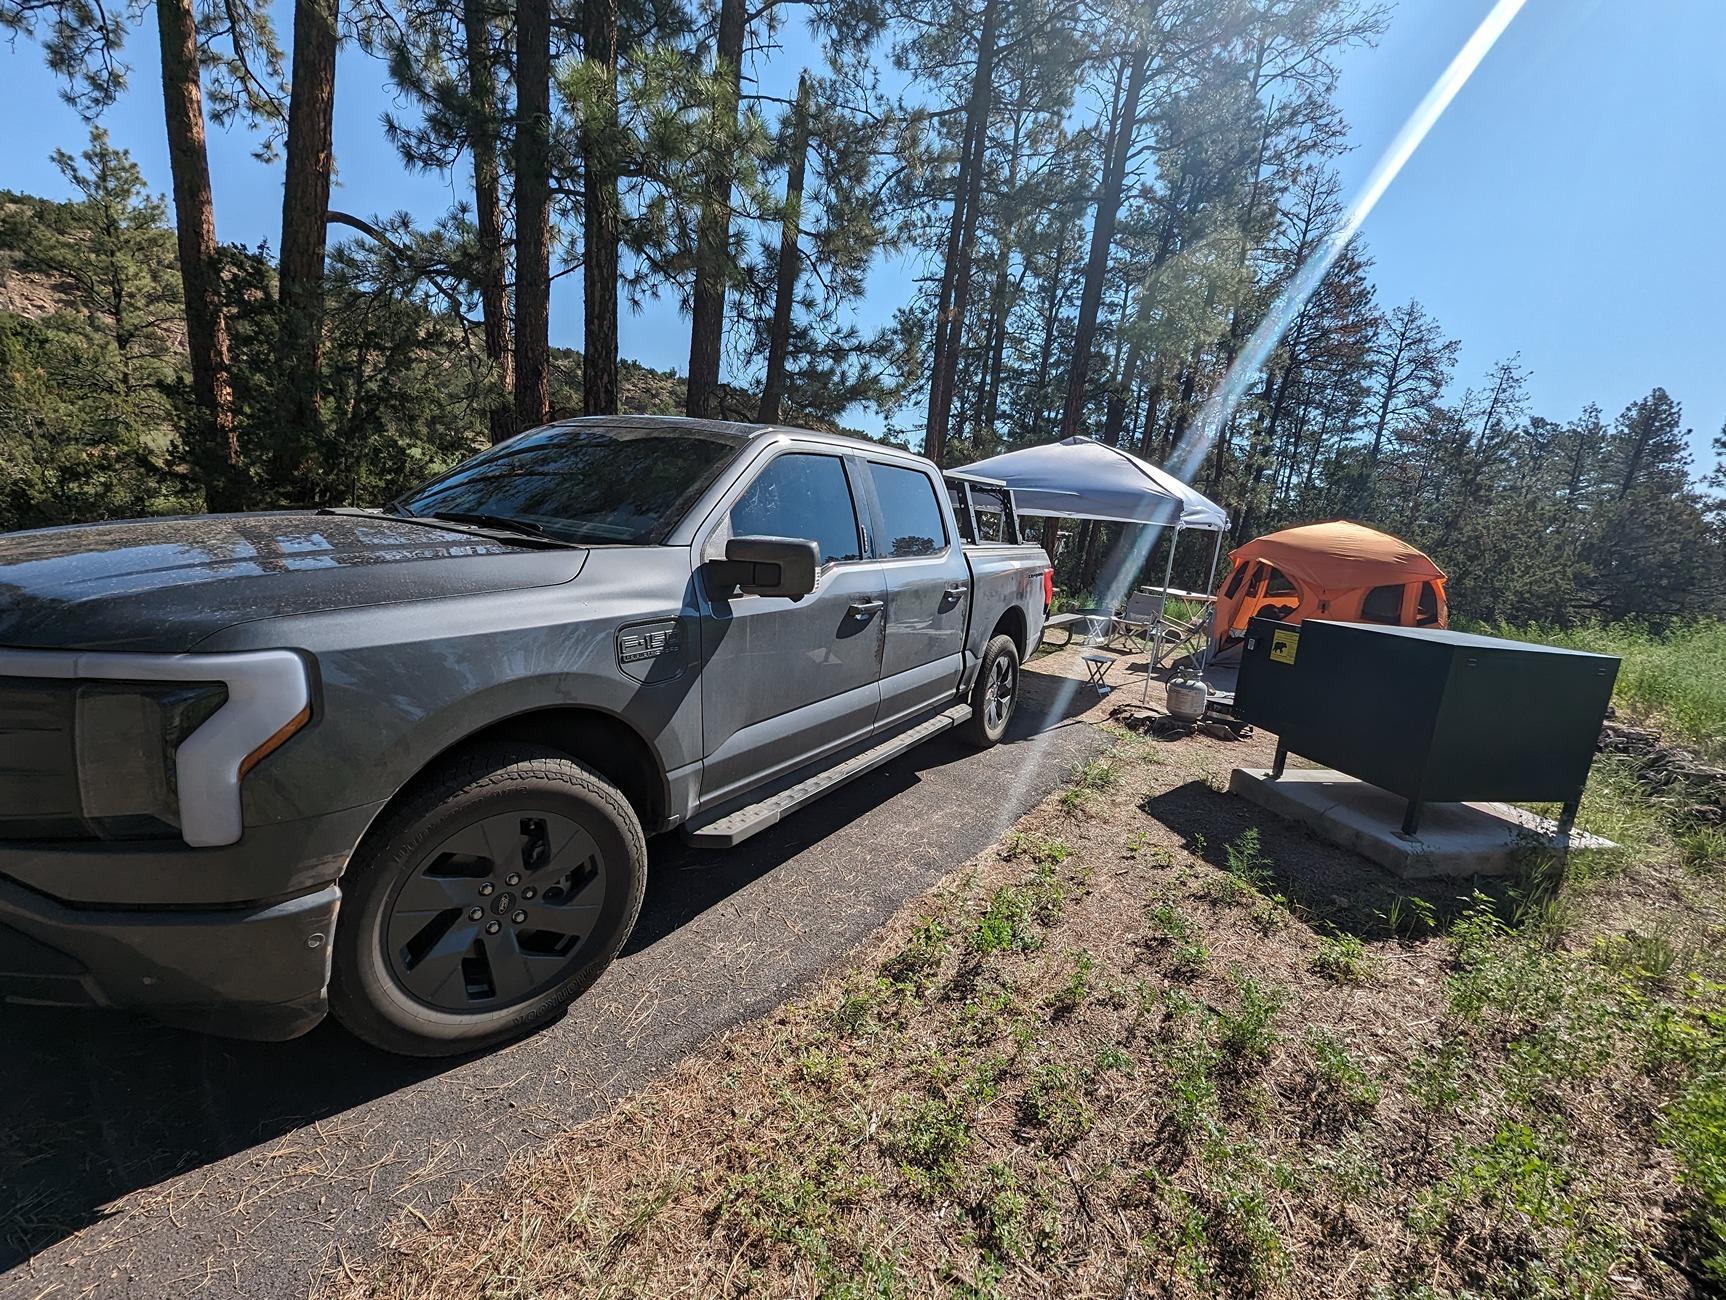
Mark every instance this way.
x=1105 y=200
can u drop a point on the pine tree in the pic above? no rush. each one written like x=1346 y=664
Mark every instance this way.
x=305 y=208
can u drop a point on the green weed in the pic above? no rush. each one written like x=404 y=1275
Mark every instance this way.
x=930 y=1139
x=1339 y=1074
x=1246 y=1032
x=1071 y=995
x=1343 y=959
x=917 y=961
x=1055 y=1105
x=1007 y=925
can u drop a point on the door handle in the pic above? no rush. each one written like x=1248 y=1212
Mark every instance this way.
x=958 y=589
x=864 y=609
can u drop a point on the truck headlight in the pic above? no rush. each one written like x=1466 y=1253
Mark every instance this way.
x=166 y=738
x=128 y=736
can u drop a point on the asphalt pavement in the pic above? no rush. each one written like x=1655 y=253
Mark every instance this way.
x=138 y=1161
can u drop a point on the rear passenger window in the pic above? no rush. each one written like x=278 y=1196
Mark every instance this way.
x=802 y=495
x=1382 y=605
x=909 y=511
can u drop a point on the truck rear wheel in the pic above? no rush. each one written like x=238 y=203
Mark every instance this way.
x=486 y=903
x=995 y=694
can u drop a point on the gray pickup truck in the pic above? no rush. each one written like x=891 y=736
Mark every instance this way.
x=401 y=764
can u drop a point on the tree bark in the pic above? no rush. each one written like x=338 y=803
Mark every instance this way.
x=602 y=223
x=1102 y=238
x=999 y=310
x=956 y=273
x=1120 y=393
x=785 y=291
x=305 y=201
x=488 y=212
x=713 y=228
x=533 y=214
x=214 y=448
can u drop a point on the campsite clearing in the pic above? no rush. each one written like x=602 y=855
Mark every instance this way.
x=1154 y=1041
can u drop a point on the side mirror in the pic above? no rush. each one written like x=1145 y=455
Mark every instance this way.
x=770 y=566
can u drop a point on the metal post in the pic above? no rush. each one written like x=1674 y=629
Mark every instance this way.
x=1281 y=760
x=1411 y=819
x=1211 y=609
x=1162 y=615
x=1567 y=822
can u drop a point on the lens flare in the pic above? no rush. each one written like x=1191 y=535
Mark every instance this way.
x=1129 y=556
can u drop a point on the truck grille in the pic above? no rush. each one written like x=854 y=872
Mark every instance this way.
x=38 y=762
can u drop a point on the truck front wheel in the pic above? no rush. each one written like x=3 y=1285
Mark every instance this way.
x=486 y=903
x=995 y=693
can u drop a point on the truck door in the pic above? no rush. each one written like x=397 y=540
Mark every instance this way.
x=784 y=681
x=928 y=592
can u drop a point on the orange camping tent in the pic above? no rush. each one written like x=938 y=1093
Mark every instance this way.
x=1341 y=571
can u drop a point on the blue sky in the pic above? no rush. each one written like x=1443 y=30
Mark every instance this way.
x=1567 y=207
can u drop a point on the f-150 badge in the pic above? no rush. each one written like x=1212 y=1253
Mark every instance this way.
x=651 y=652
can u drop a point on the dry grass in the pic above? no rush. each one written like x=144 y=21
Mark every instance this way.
x=1147 y=1047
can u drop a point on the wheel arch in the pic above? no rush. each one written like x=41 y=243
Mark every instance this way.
x=601 y=740
x=1012 y=623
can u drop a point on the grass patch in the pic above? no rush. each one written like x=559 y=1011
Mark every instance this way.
x=1678 y=678
x=1343 y=959
x=1090 y=778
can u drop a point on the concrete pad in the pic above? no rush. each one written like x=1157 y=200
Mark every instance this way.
x=1455 y=841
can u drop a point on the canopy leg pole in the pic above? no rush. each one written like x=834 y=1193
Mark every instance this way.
x=1168 y=577
x=1210 y=585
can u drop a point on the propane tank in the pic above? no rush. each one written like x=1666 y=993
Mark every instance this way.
x=1187 y=698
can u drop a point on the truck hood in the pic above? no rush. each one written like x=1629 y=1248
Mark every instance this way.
x=166 y=584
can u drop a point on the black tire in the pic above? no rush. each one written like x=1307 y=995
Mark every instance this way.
x=555 y=862
x=991 y=710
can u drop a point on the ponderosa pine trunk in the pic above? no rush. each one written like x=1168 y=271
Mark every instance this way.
x=533 y=213
x=488 y=212
x=602 y=223
x=305 y=209
x=999 y=308
x=214 y=446
x=713 y=226
x=785 y=289
x=1102 y=239
x=962 y=231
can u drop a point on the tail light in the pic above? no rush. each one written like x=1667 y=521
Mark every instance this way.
x=1048 y=590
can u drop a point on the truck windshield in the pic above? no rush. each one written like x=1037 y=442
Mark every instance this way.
x=585 y=482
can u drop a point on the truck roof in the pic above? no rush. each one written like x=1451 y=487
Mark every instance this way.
x=737 y=432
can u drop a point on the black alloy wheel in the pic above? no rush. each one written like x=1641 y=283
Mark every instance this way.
x=492 y=895
x=995 y=694
x=498 y=912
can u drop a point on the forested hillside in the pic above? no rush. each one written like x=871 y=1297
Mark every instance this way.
x=1082 y=212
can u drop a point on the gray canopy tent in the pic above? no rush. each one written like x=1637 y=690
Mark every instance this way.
x=1081 y=478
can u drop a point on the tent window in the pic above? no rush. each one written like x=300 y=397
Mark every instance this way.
x=1278 y=585
x=1426 y=611
x=1235 y=580
x=1383 y=605
x=1257 y=583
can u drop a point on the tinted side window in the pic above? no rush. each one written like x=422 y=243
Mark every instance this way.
x=909 y=510
x=1382 y=605
x=801 y=495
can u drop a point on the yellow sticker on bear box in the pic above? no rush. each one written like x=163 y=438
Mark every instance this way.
x=1284 y=642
